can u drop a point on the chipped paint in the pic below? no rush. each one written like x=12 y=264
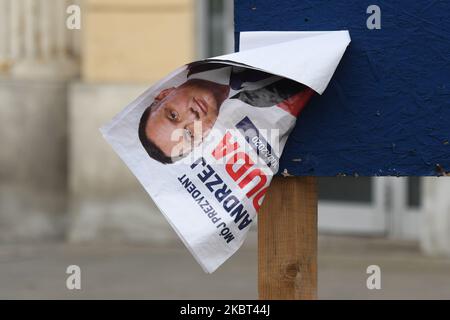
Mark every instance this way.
x=286 y=174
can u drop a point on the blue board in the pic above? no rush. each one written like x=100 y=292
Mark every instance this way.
x=387 y=110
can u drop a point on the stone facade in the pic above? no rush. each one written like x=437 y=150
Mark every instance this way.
x=136 y=40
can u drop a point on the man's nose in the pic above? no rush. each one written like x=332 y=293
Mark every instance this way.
x=188 y=115
x=196 y=127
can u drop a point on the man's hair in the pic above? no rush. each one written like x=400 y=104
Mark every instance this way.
x=152 y=149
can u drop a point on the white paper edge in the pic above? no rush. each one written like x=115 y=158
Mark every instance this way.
x=278 y=53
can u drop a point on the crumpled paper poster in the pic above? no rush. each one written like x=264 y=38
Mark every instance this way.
x=206 y=140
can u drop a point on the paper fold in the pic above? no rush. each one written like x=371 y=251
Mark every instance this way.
x=278 y=53
x=200 y=194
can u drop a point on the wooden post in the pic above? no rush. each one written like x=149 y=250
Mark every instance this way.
x=287 y=240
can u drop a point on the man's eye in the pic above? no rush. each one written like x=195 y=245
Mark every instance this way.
x=173 y=115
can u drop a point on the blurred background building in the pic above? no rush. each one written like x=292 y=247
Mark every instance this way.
x=60 y=181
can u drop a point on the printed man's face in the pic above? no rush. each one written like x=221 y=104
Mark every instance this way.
x=183 y=116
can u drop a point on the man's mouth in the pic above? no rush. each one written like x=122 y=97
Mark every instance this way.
x=201 y=103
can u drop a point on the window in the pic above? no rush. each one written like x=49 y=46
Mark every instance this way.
x=215 y=28
x=344 y=189
x=414 y=192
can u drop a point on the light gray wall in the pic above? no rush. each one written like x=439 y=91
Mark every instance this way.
x=435 y=224
x=33 y=169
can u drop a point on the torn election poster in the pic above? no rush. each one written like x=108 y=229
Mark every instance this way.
x=206 y=140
